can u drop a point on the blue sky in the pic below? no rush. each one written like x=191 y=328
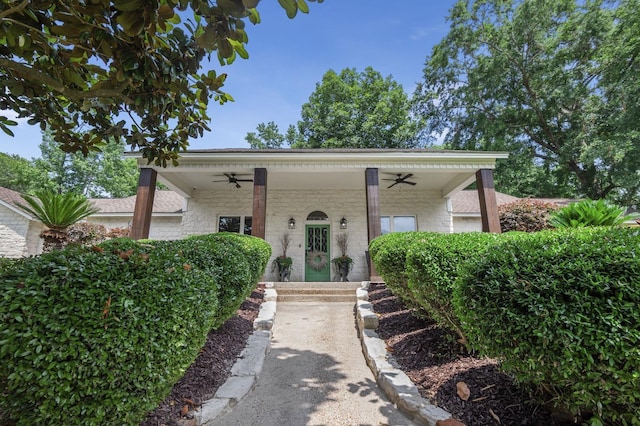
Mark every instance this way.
x=287 y=58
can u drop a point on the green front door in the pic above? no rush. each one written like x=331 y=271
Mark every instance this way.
x=318 y=261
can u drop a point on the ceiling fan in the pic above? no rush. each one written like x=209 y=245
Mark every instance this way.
x=401 y=179
x=233 y=179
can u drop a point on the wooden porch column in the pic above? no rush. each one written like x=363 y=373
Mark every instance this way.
x=488 y=203
x=144 y=204
x=374 y=228
x=259 y=221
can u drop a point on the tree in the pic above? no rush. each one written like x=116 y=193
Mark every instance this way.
x=356 y=110
x=97 y=174
x=57 y=211
x=19 y=174
x=123 y=68
x=268 y=137
x=555 y=82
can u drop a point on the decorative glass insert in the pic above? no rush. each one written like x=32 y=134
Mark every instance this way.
x=317 y=239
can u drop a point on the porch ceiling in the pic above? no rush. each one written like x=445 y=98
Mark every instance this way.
x=442 y=171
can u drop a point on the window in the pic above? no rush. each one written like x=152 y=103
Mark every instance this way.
x=317 y=215
x=397 y=224
x=232 y=224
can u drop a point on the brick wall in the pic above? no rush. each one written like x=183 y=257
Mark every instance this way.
x=430 y=210
x=467 y=224
x=14 y=230
x=162 y=227
x=203 y=210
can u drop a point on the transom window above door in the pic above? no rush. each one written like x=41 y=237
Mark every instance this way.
x=237 y=224
x=317 y=215
x=397 y=224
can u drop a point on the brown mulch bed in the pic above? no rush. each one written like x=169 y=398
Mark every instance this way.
x=429 y=355
x=212 y=367
x=435 y=362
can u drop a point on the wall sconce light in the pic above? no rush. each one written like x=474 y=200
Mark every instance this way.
x=343 y=223
x=292 y=223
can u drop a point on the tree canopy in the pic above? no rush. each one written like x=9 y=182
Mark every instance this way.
x=348 y=110
x=97 y=69
x=267 y=137
x=555 y=82
x=356 y=110
x=19 y=174
x=98 y=174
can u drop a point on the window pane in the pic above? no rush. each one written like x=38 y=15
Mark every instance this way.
x=247 y=225
x=229 y=224
x=404 y=223
x=385 y=224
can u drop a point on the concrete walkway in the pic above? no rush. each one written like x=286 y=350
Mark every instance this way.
x=315 y=374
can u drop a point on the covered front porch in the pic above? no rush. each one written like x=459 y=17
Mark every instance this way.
x=314 y=197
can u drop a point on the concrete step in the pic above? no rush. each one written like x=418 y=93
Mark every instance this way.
x=316 y=298
x=316 y=291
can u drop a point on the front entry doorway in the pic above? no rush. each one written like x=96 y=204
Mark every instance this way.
x=318 y=257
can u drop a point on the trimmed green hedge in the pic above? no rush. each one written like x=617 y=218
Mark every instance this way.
x=433 y=263
x=220 y=253
x=560 y=308
x=389 y=255
x=100 y=335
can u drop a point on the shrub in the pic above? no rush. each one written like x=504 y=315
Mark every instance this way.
x=86 y=233
x=118 y=232
x=432 y=267
x=100 y=335
x=223 y=252
x=560 y=308
x=525 y=215
x=590 y=213
x=389 y=254
x=5 y=262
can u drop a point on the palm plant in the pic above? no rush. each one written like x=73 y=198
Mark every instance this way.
x=57 y=212
x=589 y=213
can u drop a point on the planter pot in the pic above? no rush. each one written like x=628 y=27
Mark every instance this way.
x=284 y=272
x=342 y=270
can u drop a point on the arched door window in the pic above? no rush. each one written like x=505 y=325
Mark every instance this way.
x=317 y=216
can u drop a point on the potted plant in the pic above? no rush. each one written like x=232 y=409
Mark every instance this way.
x=342 y=264
x=283 y=262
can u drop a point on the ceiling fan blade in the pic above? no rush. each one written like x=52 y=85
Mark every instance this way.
x=410 y=183
x=407 y=176
x=244 y=180
x=238 y=185
x=230 y=176
x=393 y=184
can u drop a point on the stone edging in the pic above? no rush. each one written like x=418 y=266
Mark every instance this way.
x=394 y=382
x=248 y=366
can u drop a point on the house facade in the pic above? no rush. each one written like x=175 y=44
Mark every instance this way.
x=118 y=213
x=313 y=197
x=19 y=231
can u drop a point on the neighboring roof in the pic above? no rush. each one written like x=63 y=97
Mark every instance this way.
x=10 y=196
x=10 y=199
x=163 y=202
x=467 y=201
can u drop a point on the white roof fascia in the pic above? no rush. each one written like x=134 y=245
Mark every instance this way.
x=17 y=210
x=350 y=159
